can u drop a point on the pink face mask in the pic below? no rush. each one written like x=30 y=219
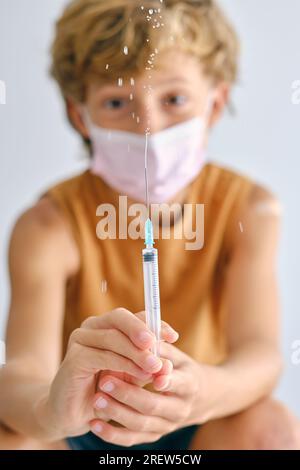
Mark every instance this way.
x=175 y=156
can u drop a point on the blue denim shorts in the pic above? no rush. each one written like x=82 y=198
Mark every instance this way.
x=176 y=440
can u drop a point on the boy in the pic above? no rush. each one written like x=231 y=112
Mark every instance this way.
x=78 y=359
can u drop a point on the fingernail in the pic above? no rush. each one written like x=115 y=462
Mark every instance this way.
x=97 y=427
x=101 y=403
x=153 y=362
x=145 y=337
x=107 y=387
x=166 y=385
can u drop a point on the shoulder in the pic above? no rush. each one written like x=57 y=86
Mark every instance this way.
x=69 y=186
x=41 y=238
x=259 y=221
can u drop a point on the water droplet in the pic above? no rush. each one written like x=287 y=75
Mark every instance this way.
x=103 y=286
x=138 y=119
x=142 y=7
x=133 y=115
x=151 y=11
x=131 y=96
x=120 y=81
x=125 y=50
x=241 y=227
x=107 y=65
x=132 y=81
x=156 y=51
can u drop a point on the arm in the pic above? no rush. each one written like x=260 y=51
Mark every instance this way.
x=43 y=396
x=254 y=362
x=41 y=258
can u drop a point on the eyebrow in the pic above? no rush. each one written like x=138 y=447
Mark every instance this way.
x=174 y=80
x=109 y=87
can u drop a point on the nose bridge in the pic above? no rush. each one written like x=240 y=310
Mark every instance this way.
x=148 y=114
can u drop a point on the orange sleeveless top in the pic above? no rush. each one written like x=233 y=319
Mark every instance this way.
x=192 y=290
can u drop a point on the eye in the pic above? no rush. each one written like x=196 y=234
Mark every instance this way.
x=176 y=100
x=115 y=103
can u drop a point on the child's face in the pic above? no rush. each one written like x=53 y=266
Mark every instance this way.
x=179 y=91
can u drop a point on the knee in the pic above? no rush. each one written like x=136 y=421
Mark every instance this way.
x=271 y=426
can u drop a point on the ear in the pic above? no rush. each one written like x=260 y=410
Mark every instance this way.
x=220 y=98
x=75 y=116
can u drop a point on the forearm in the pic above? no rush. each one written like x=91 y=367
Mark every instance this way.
x=249 y=374
x=22 y=400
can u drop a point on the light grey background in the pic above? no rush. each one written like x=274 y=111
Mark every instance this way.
x=37 y=147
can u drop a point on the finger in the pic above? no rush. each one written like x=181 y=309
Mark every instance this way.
x=167 y=331
x=125 y=377
x=174 y=383
x=166 y=369
x=162 y=379
x=173 y=354
x=90 y=360
x=144 y=401
x=162 y=383
x=108 y=408
x=133 y=325
x=125 y=321
x=121 y=436
x=117 y=342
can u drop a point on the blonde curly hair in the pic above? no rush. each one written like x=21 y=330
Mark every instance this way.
x=92 y=35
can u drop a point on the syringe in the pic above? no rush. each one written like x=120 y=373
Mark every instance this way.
x=151 y=286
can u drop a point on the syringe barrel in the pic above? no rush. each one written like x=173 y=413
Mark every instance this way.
x=152 y=297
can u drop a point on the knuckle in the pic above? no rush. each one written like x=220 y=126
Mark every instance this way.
x=130 y=442
x=141 y=315
x=87 y=321
x=75 y=335
x=155 y=437
x=151 y=407
x=120 y=312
